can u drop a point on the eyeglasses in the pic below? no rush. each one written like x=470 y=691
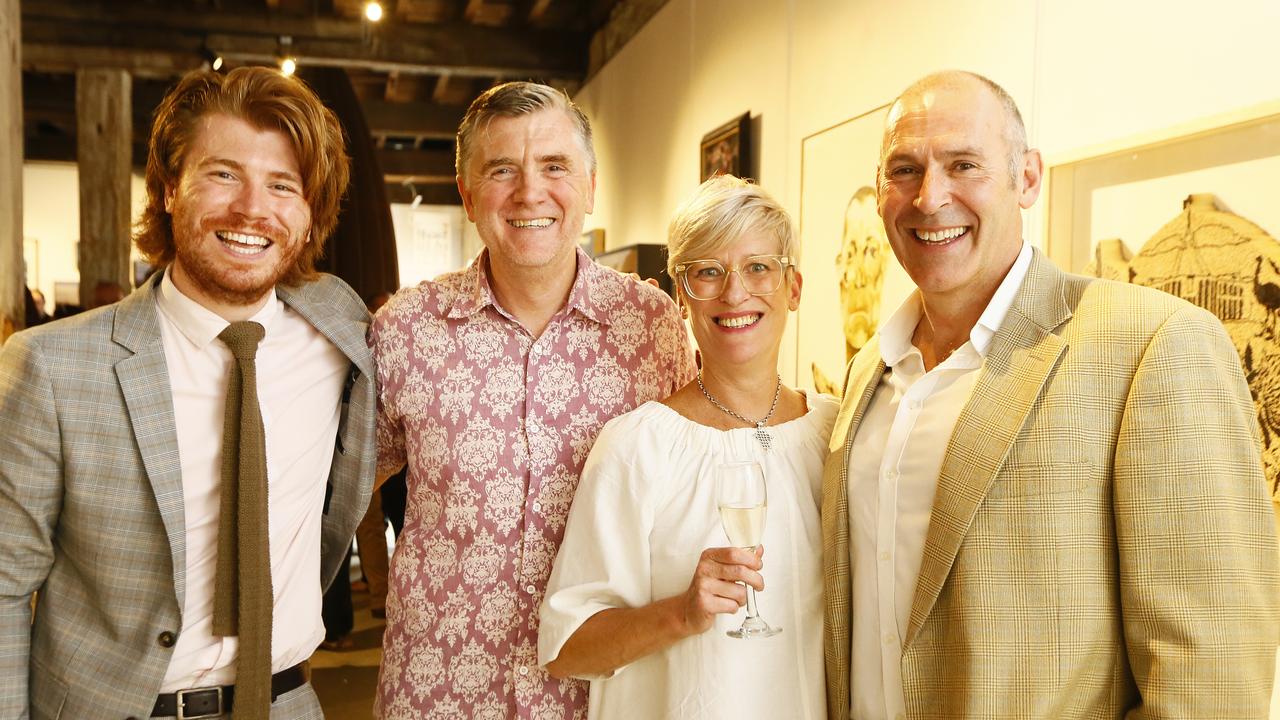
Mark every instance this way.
x=759 y=275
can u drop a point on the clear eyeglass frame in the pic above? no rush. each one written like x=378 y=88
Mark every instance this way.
x=749 y=283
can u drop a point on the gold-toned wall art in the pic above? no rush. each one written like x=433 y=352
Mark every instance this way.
x=850 y=278
x=1215 y=249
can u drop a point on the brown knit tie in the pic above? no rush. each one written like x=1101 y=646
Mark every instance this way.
x=242 y=600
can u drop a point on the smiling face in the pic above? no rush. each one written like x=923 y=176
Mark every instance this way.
x=737 y=327
x=951 y=208
x=239 y=217
x=528 y=187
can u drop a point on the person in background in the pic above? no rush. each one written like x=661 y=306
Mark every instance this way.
x=1045 y=496
x=181 y=471
x=644 y=587
x=494 y=381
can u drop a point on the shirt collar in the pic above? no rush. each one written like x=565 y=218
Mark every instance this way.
x=197 y=323
x=478 y=290
x=896 y=332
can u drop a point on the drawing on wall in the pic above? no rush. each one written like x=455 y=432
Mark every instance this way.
x=838 y=220
x=1219 y=252
x=864 y=249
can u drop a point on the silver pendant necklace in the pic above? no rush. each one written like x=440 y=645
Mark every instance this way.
x=765 y=439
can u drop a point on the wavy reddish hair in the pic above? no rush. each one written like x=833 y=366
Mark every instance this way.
x=267 y=100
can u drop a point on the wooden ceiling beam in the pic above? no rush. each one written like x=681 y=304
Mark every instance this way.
x=417 y=119
x=58 y=33
x=421 y=165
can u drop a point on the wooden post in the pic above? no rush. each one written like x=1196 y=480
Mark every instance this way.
x=103 y=139
x=12 y=307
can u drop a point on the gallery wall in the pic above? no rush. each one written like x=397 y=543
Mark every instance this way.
x=1089 y=75
x=51 y=223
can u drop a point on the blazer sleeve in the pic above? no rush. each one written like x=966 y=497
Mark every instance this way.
x=1199 y=584
x=30 y=500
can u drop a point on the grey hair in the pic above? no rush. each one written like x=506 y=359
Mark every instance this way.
x=723 y=209
x=513 y=99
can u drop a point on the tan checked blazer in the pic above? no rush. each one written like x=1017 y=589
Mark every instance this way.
x=1102 y=544
x=91 y=501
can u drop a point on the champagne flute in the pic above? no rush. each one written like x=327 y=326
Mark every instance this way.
x=740 y=494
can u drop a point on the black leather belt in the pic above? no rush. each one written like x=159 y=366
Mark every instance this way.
x=210 y=702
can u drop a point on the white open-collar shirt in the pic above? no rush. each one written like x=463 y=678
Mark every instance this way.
x=300 y=379
x=893 y=476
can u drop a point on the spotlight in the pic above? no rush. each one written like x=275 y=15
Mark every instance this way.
x=373 y=11
x=288 y=66
x=211 y=59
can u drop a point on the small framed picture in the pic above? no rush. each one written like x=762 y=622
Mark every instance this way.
x=727 y=149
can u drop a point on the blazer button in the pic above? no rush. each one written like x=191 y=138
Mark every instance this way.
x=167 y=639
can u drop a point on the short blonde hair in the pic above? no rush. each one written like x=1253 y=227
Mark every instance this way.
x=723 y=209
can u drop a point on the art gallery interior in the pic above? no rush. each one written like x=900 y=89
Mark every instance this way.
x=1102 y=85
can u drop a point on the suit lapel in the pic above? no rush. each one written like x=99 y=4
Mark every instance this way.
x=1019 y=362
x=310 y=301
x=144 y=384
x=864 y=375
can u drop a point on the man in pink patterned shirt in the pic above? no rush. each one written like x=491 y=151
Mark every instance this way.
x=494 y=381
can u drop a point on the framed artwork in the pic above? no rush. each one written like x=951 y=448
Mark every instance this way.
x=1130 y=192
x=851 y=280
x=1193 y=215
x=727 y=149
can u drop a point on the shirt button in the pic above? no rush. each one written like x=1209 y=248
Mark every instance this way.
x=530 y=589
x=884 y=555
x=524 y=670
x=890 y=474
x=537 y=507
x=914 y=404
x=889 y=639
x=166 y=639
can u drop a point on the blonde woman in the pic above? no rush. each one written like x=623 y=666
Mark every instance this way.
x=645 y=586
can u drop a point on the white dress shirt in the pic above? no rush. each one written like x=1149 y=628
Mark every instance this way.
x=300 y=380
x=894 y=464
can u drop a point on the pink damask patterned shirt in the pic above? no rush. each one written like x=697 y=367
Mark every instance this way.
x=495 y=426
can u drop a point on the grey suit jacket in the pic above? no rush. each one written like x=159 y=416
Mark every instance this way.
x=91 y=508
x=1102 y=543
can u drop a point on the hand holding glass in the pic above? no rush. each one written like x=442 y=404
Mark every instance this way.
x=740 y=493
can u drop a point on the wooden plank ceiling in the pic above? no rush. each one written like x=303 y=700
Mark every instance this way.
x=415 y=71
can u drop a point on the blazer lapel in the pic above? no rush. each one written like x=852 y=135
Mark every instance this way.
x=144 y=383
x=1019 y=362
x=864 y=375
x=309 y=300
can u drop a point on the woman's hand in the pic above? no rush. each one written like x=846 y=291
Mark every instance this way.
x=714 y=588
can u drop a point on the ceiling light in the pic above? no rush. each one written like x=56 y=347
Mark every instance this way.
x=211 y=59
x=373 y=11
x=288 y=66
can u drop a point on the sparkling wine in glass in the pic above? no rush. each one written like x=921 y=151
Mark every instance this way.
x=740 y=494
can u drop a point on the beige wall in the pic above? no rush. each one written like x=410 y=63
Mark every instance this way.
x=1087 y=73
x=51 y=222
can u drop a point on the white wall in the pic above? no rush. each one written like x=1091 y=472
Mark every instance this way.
x=51 y=222
x=1086 y=73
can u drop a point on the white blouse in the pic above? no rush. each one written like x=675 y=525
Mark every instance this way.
x=644 y=511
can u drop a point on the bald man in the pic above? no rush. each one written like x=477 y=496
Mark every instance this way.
x=1044 y=497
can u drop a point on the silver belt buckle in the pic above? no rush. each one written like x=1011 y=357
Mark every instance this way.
x=180 y=697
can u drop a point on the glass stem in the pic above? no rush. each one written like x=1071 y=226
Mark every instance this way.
x=751 y=603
